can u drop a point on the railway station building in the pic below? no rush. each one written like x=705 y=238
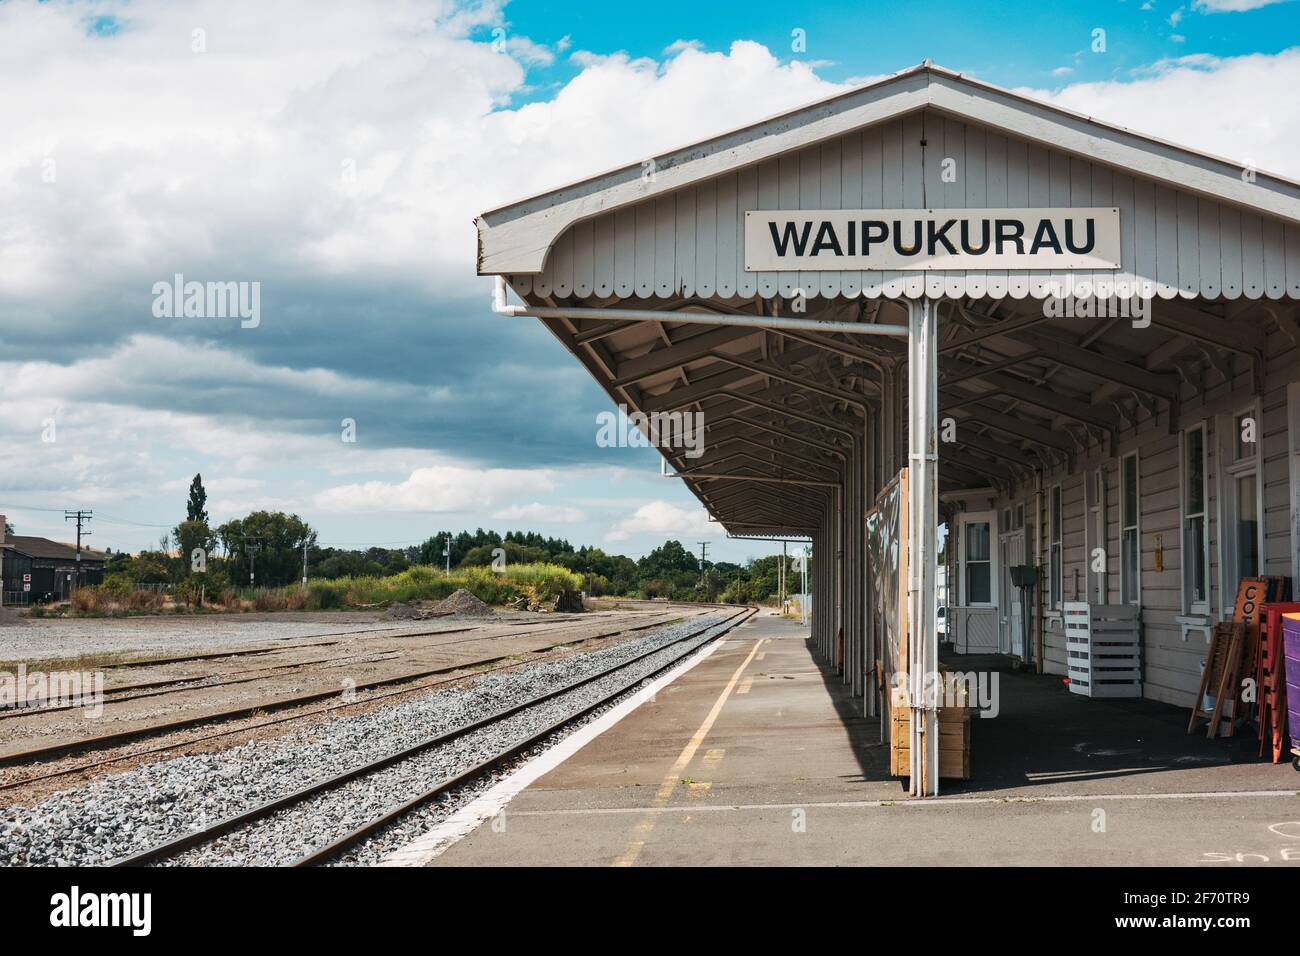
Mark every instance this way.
x=930 y=320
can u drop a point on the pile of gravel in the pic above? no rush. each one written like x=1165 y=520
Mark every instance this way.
x=464 y=603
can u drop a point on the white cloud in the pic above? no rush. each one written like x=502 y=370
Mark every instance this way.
x=438 y=488
x=1226 y=106
x=663 y=517
x=1232 y=6
x=547 y=514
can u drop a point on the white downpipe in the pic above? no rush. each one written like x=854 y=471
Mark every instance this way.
x=500 y=307
x=923 y=462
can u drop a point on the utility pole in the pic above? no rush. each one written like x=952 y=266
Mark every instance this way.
x=252 y=560
x=304 y=564
x=79 y=516
x=803 y=597
x=447 y=551
x=704 y=554
x=784 y=561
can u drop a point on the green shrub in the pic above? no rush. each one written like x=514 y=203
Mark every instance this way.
x=118 y=586
x=323 y=596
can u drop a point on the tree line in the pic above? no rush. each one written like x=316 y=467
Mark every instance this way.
x=273 y=549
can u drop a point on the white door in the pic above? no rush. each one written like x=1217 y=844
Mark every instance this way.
x=1010 y=634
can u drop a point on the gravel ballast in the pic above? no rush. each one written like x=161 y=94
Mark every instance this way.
x=120 y=815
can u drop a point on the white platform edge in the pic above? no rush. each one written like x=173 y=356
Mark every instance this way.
x=492 y=801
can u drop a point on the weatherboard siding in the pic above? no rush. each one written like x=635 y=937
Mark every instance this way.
x=690 y=242
x=1171 y=658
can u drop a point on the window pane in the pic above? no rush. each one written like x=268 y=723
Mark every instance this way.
x=978 y=579
x=977 y=541
x=1194 y=469
x=1130 y=559
x=1247 y=527
x=1130 y=491
x=1056 y=575
x=1244 y=449
x=1194 y=555
x=1056 y=514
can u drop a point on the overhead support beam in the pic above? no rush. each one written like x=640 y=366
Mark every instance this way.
x=696 y=318
x=1244 y=338
x=722 y=476
x=690 y=349
x=1008 y=386
x=787 y=375
x=968 y=437
x=992 y=330
x=837 y=425
x=796 y=461
x=1018 y=427
x=954 y=373
x=714 y=433
x=1160 y=385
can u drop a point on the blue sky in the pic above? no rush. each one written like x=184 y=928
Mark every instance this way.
x=337 y=153
x=1018 y=43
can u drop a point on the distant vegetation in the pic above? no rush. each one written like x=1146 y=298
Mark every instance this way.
x=256 y=562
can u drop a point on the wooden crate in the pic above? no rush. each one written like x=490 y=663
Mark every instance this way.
x=954 y=741
x=954 y=744
x=1103 y=649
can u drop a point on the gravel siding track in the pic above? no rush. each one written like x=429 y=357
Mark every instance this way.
x=116 y=816
x=181 y=634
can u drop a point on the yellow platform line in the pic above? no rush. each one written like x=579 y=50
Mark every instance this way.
x=671 y=779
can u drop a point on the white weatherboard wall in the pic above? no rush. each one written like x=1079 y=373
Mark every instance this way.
x=690 y=242
x=1172 y=654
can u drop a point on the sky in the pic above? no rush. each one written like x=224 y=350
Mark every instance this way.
x=336 y=154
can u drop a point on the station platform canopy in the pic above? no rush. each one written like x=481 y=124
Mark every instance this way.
x=826 y=288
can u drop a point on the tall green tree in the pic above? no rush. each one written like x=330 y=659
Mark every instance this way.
x=196 y=509
x=269 y=541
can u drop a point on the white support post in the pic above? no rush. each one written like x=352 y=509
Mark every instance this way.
x=923 y=485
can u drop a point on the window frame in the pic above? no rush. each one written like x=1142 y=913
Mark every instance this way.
x=1230 y=470
x=989 y=518
x=1056 y=546
x=1094 y=533
x=1125 y=526
x=1189 y=606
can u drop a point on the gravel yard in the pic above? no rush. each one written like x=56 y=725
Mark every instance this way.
x=117 y=815
x=28 y=639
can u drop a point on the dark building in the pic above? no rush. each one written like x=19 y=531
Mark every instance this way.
x=38 y=569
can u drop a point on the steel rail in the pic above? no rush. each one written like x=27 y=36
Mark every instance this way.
x=321 y=854
x=228 y=824
x=125 y=736
x=174 y=747
x=180 y=685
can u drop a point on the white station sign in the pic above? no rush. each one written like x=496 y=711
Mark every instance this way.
x=910 y=239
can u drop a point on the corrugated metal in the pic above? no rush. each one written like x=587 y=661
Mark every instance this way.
x=690 y=242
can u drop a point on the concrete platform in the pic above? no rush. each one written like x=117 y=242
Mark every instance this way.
x=757 y=757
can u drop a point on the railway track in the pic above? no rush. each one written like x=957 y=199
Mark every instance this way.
x=119 y=738
x=128 y=693
x=677 y=649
